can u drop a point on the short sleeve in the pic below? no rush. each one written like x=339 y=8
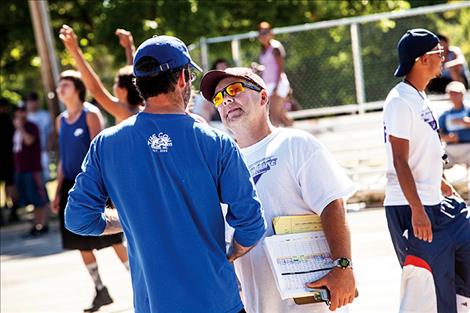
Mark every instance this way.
x=277 y=45
x=398 y=119
x=322 y=180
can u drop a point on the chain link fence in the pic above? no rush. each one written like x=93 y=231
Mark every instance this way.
x=347 y=61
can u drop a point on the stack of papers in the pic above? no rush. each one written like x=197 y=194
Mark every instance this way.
x=296 y=259
x=296 y=224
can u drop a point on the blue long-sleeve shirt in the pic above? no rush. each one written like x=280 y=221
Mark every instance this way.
x=166 y=175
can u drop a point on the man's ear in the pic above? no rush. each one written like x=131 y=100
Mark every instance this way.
x=181 y=80
x=424 y=59
x=264 y=97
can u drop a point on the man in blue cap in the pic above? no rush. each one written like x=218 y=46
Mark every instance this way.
x=430 y=233
x=168 y=198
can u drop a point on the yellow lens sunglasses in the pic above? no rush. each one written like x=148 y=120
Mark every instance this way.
x=232 y=90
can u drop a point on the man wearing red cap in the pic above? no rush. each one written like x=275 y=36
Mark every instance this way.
x=294 y=175
x=430 y=234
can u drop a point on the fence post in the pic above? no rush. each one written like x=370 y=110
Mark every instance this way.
x=358 y=70
x=236 y=52
x=204 y=54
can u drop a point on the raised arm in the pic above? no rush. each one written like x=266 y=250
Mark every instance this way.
x=127 y=42
x=92 y=82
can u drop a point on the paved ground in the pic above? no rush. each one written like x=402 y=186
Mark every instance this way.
x=36 y=276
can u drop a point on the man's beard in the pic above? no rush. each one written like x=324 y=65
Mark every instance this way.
x=186 y=95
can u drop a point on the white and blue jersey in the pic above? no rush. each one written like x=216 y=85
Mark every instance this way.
x=167 y=175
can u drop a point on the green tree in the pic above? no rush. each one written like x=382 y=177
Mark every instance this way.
x=327 y=51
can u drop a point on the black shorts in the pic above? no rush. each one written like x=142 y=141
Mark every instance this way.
x=73 y=241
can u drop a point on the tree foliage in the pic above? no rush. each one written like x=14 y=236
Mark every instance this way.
x=96 y=21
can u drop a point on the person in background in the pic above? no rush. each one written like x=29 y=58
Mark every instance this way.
x=203 y=107
x=430 y=233
x=7 y=166
x=272 y=58
x=42 y=119
x=454 y=126
x=168 y=201
x=126 y=100
x=77 y=126
x=285 y=165
x=28 y=172
x=455 y=68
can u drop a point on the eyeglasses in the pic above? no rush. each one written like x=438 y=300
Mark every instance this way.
x=232 y=90
x=189 y=75
x=440 y=51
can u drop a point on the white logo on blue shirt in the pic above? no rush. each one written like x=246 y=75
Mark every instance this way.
x=159 y=143
x=78 y=132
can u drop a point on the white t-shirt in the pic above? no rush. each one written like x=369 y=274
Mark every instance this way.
x=294 y=174
x=42 y=119
x=407 y=115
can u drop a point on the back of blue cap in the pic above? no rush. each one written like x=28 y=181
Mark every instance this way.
x=159 y=54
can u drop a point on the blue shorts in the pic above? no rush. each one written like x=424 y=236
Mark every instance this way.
x=447 y=257
x=31 y=189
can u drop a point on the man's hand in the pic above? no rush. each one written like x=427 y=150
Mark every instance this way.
x=125 y=38
x=447 y=189
x=113 y=224
x=68 y=37
x=341 y=284
x=238 y=251
x=451 y=138
x=127 y=42
x=55 y=205
x=422 y=228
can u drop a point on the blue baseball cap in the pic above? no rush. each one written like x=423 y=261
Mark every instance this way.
x=161 y=53
x=414 y=43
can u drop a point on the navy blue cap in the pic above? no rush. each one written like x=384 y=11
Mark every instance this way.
x=159 y=54
x=414 y=43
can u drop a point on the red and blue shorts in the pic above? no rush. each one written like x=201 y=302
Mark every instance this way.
x=433 y=273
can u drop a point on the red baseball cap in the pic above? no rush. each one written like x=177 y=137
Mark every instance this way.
x=212 y=78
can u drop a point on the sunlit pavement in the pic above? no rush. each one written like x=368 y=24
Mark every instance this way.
x=36 y=276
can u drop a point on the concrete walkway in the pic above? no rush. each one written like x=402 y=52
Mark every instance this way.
x=36 y=276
